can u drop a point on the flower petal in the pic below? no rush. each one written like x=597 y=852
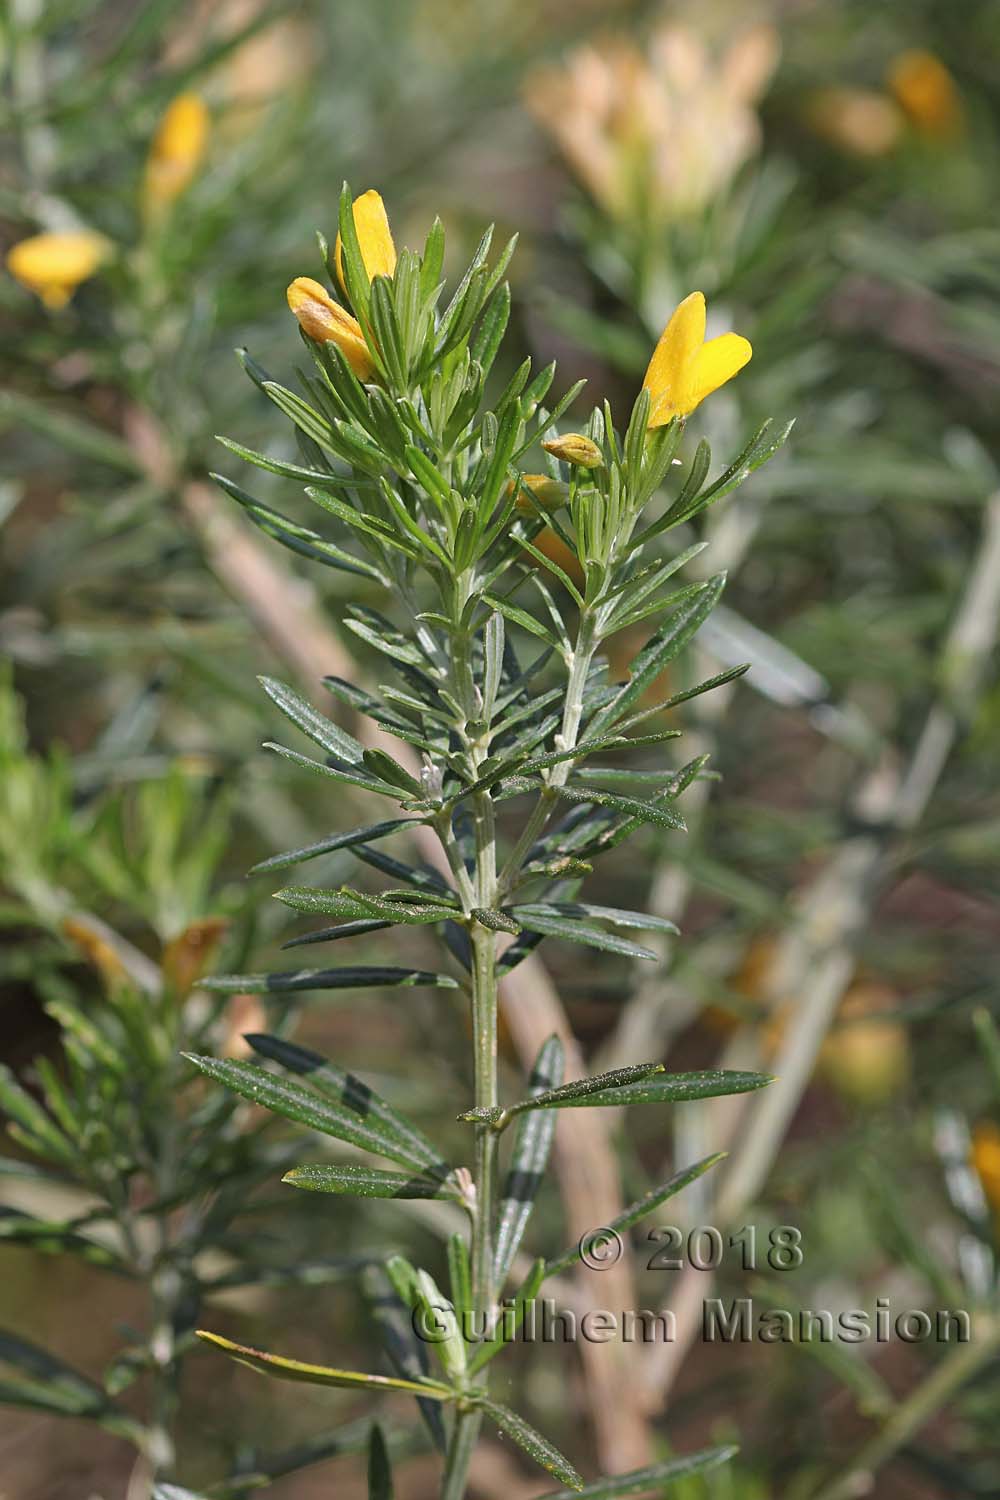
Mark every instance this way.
x=326 y=321
x=715 y=363
x=374 y=237
x=667 y=377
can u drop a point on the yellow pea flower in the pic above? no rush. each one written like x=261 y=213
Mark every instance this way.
x=374 y=237
x=684 y=369
x=53 y=265
x=176 y=153
x=986 y=1161
x=326 y=321
x=926 y=92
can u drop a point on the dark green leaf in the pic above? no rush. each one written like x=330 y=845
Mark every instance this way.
x=676 y=1088
x=308 y=1107
x=360 y=977
x=345 y=1088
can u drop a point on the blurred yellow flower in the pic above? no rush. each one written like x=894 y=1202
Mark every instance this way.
x=859 y=121
x=684 y=368
x=176 y=153
x=926 y=93
x=327 y=322
x=661 y=132
x=53 y=265
x=374 y=237
x=986 y=1160
x=867 y=1054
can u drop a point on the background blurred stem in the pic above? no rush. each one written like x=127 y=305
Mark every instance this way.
x=817 y=956
x=955 y=1370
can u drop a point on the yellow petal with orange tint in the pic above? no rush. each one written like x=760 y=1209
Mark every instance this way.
x=327 y=322
x=378 y=250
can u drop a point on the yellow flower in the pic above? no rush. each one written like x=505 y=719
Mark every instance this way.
x=326 y=321
x=374 y=237
x=53 y=265
x=539 y=492
x=926 y=92
x=177 y=152
x=659 y=132
x=986 y=1161
x=684 y=369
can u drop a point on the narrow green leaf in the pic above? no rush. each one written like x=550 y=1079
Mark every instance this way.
x=554 y=924
x=367 y=1182
x=295 y=1369
x=364 y=835
x=352 y=905
x=534 y=1444
x=358 y=977
x=528 y=1161
x=345 y=1088
x=459 y=1274
x=674 y=1088
x=639 y=1209
x=379 y=1468
x=644 y=812
x=510 y=1319
x=652 y=1480
x=349 y=778
x=580 y=1089
x=307 y=1107
x=665 y=645
x=322 y=731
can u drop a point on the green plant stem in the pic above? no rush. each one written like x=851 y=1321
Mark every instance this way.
x=587 y=642
x=944 y=1381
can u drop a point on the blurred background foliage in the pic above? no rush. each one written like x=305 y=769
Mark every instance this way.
x=825 y=172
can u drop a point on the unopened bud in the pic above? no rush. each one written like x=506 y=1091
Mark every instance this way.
x=574 y=448
x=327 y=322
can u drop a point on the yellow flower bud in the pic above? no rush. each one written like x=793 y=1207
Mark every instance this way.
x=986 y=1161
x=926 y=93
x=177 y=152
x=684 y=369
x=574 y=448
x=374 y=238
x=53 y=265
x=326 y=321
x=539 y=492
